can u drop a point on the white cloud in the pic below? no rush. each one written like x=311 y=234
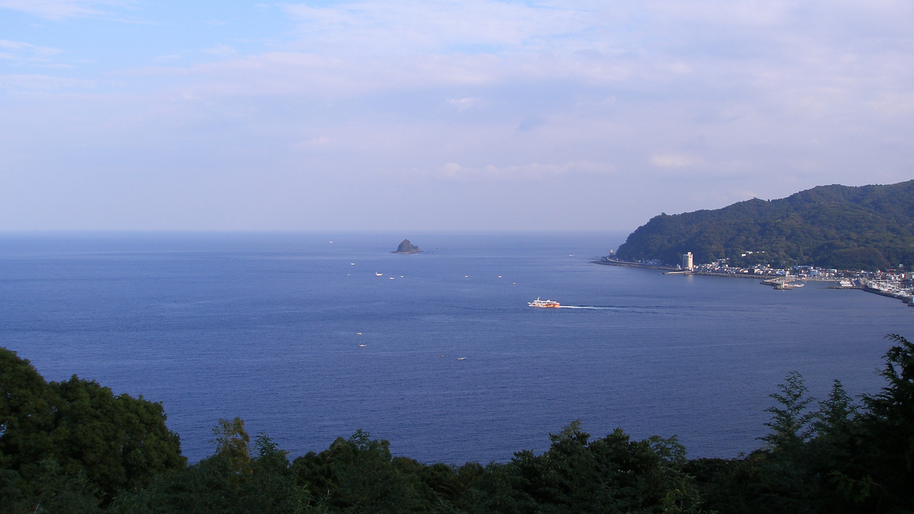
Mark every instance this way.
x=675 y=161
x=13 y=45
x=25 y=52
x=61 y=9
x=529 y=171
x=413 y=26
x=41 y=83
x=451 y=170
x=463 y=104
x=221 y=51
x=315 y=142
x=709 y=95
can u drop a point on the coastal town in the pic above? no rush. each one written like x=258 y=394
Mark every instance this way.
x=892 y=283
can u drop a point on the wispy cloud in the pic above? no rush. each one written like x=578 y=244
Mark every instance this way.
x=414 y=26
x=653 y=105
x=221 y=51
x=62 y=9
x=316 y=142
x=533 y=170
x=675 y=160
x=41 y=83
x=18 y=51
x=463 y=104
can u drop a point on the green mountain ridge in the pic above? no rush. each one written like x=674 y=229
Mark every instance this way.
x=868 y=227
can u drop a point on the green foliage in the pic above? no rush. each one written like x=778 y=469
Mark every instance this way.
x=888 y=467
x=839 y=459
x=231 y=481
x=612 y=474
x=359 y=475
x=80 y=430
x=26 y=416
x=232 y=441
x=869 y=228
x=791 y=423
x=48 y=490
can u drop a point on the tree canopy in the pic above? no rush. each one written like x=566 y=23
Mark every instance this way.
x=81 y=430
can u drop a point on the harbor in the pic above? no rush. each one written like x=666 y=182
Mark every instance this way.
x=890 y=283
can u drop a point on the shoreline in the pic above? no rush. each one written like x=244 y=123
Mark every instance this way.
x=624 y=264
x=668 y=270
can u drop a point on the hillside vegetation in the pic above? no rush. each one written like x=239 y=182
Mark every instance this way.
x=869 y=227
x=74 y=447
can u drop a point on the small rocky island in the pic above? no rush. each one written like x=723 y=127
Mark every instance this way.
x=406 y=247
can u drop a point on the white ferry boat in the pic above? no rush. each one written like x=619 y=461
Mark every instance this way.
x=544 y=303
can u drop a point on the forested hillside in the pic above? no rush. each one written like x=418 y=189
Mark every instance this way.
x=869 y=227
x=74 y=447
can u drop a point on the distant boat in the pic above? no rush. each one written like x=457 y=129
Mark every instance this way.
x=461 y=358
x=378 y=274
x=784 y=286
x=549 y=304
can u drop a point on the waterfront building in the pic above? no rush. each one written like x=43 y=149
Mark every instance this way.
x=687 y=261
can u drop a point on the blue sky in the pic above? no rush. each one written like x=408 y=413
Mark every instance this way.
x=425 y=115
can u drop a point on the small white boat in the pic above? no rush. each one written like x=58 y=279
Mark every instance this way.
x=547 y=304
x=378 y=274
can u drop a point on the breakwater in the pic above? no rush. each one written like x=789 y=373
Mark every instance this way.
x=644 y=265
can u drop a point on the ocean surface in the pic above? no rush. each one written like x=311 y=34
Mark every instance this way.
x=440 y=354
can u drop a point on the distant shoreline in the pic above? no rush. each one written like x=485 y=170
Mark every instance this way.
x=613 y=262
x=679 y=271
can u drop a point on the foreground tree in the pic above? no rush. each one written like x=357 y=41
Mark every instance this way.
x=612 y=474
x=231 y=481
x=360 y=475
x=81 y=430
x=839 y=459
x=884 y=449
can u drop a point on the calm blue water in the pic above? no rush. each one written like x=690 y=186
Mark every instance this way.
x=268 y=327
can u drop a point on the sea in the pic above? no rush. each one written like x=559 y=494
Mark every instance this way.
x=311 y=336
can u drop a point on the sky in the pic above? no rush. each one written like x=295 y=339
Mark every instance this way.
x=441 y=115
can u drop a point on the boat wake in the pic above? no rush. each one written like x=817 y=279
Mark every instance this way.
x=589 y=307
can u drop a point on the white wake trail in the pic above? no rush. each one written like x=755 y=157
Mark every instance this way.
x=588 y=307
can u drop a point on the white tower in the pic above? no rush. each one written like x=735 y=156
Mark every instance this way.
x=687 y=261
